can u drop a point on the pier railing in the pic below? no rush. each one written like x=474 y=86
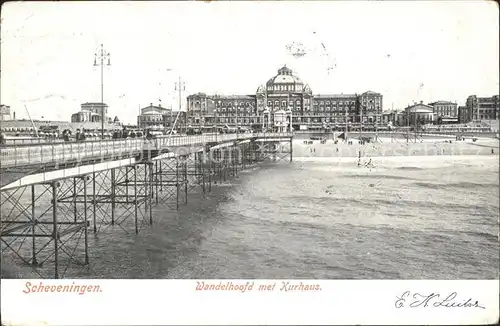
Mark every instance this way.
x=29 y=154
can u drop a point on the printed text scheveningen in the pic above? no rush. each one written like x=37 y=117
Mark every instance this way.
x=60 y=288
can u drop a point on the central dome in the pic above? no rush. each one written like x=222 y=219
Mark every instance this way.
x=284 y=76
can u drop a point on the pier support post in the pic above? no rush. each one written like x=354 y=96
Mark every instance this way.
x=113 y=196
x=74 y=199
x=85 y=219
x=177 y=182
x=150 y=186
x=156 y=181
x=202 y=168
x=232 y=158
x=55 y=234
x=135 y=201
x=185 y=178
x=94 y=203
x=226 y=165
x=145 y=184
x=161 y=175
x=33 y=225
x=210 y=171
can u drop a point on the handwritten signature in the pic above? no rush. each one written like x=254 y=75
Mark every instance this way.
x=434 y=300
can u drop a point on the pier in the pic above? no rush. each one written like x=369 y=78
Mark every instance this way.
x=54 y=196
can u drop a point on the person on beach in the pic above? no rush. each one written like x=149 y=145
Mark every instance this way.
x=370 y=165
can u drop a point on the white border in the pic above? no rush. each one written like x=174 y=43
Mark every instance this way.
x=168 y=302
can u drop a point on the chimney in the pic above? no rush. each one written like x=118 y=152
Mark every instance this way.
x=421 y=102
x=14 y=113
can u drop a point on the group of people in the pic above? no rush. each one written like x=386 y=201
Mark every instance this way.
x=368 y=164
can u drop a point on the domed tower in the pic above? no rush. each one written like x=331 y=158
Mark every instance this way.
x=284 y=82
x=286 y=91
x=285 y=96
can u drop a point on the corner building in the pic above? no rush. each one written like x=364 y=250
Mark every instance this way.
x=285 y=93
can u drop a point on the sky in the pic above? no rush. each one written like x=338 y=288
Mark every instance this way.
x=409 y=51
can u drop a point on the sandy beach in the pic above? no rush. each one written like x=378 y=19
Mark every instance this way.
x=386 y=147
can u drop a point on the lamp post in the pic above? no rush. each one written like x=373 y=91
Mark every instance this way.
x=408 y=125
x=289 y=113
x=360 y=120
x=346 y=118
x=216 y=123
x=99 y=59
x=181 y=86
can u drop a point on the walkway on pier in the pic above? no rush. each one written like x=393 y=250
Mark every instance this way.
x=17 y=161
x=30 y=154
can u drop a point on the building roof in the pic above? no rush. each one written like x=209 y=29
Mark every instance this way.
x=236 y=97
x=156 y=107
x=284 y=76
x=327 y=96
x=94 y=103
x=420 y=108
x=370 y=93
x=199 y=94
x=441 y=102
x=153 y=109
x=483 y=97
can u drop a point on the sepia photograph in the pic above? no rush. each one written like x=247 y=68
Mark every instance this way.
x=245 y=140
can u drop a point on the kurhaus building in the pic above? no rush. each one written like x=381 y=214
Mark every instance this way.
x=284 y=95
